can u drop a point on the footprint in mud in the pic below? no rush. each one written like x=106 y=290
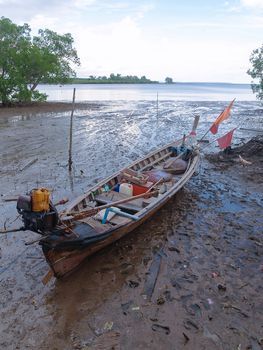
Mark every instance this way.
x=191 y=325
x=161 y=329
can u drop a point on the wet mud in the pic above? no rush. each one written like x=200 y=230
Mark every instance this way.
x=189 y=278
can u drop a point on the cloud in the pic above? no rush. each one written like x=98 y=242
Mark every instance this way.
x=41 y=21
x=256 y=4
x=135 y=37
x=83 y=3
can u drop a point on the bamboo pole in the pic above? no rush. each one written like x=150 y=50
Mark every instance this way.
x=157 y=107
x=90 y=212
x=71 y=131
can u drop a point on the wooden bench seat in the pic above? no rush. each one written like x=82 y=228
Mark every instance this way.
x=119 y=220
x=96 y=224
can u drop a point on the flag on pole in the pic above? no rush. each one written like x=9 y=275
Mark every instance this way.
x=226 y=140
x=222 y=116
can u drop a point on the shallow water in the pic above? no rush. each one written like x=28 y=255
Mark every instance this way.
x=137 y=92
x=214 y=223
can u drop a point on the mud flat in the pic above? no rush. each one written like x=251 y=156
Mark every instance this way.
x=208 y=240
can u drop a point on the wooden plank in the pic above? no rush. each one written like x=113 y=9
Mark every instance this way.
x=119 y=220
x=28 y=164
x=152 y=275
x=47 y=277
x=13 y=198
x=96 y=224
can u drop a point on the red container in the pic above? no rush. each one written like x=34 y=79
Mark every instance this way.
x=137 y=189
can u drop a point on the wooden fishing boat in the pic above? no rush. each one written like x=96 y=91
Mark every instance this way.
x=106 y=212
x=109 y=210
x=112 y=208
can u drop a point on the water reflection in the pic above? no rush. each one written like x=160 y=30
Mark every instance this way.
x=178 y=91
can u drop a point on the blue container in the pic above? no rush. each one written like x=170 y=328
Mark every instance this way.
x=116 y=188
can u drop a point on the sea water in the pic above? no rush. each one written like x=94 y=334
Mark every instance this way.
x=150 y=92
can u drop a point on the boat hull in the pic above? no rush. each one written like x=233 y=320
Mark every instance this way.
x=63 y=261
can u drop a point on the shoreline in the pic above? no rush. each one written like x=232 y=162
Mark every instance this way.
x=45 y=107
x=218 y=214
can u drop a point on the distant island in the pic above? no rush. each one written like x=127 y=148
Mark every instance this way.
x=113 y=79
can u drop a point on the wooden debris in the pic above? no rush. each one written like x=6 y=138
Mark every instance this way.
x=13 y=198
x=28 y=164
x=47 y=277
x=12 y=230
x=244 y=161
x=255 y=130
x=152 y=276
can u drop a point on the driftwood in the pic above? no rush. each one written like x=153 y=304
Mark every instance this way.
x=47 y=277
x=11 y=198
x=12 y=230
x=244 y=161
x=28 y=164
x=152 y=276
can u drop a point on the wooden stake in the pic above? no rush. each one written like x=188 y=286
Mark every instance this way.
x=157 y=106
x=196 y=121
x=71 y=131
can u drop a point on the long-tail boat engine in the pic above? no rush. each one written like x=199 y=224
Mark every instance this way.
x=38 y=212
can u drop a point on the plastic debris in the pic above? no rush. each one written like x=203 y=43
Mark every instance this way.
x=135 y=308
x=108 y=326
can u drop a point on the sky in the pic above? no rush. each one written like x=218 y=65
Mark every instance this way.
x=187 y=40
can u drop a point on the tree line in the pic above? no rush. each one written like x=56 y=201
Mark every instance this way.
x=26 y=61
x=114 y=79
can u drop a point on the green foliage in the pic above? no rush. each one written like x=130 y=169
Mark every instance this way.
x=256 y=72
x=113 y=79
x=168 y=80
x=26 y=61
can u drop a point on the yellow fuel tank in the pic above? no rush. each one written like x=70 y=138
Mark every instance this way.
x=40 y=199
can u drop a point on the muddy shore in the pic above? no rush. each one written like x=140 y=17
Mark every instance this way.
x=40 y=108
x=208 y=239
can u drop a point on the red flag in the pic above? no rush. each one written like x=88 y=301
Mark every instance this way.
x=226 y=140
x=222 y=116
